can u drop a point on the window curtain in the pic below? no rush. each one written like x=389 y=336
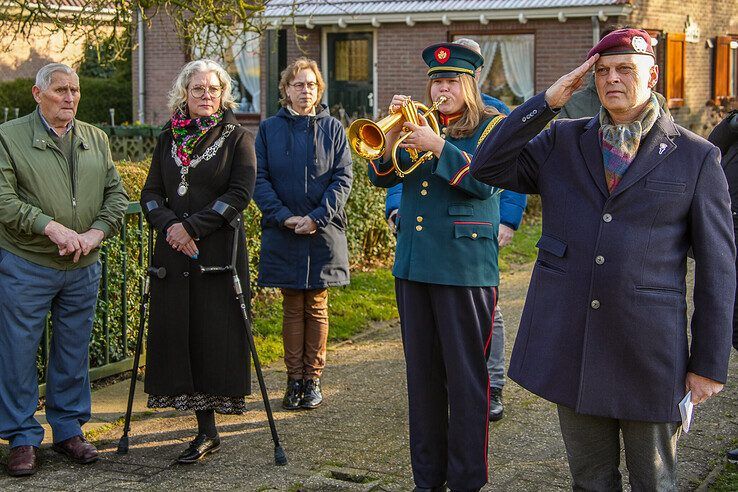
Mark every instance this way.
x=489 y=50
x=246 y=59
x=517 y=62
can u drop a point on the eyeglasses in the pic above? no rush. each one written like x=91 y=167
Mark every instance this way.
x=301 y=85
x=199 y=92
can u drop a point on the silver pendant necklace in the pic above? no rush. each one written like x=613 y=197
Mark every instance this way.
x=206 y=156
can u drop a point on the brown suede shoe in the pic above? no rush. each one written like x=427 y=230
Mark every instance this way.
x=22 y=461
x=77 y=449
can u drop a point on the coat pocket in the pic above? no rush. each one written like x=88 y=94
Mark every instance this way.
x=666 y=186
x=552 y=245
x=550 y=250
x=658 y=296
x=473 y=230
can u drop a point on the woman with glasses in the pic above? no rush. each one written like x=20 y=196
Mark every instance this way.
x=201 y=178
x=446 y=273
x=302 y=184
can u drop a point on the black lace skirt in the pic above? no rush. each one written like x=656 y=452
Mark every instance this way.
x=229 y=405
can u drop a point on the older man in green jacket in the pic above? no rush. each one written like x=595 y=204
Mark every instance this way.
x=60 y=196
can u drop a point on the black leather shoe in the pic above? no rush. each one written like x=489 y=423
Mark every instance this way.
x=200 y=447
x=442 y=488
x=312 y=397
x=495 y=404
x=293 y=395
x=732 y=455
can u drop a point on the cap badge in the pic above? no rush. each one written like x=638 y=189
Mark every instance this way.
x=639 y=44
x=442 y=55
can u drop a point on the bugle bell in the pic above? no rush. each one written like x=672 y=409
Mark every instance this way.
x=369 y=138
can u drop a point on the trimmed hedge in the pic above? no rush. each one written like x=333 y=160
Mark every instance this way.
x=98 y=96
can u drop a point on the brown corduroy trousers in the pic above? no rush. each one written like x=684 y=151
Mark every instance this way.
x=304 y=331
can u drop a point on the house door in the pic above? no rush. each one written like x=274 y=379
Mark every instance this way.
x=350 y=75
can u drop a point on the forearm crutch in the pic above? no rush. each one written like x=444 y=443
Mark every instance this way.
x=280 y=458
x=159 y=272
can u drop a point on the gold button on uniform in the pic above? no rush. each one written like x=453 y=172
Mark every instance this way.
x=419 y=218
x=423 y=192
x=424 y=184
x=474 y=235
x=418 y=228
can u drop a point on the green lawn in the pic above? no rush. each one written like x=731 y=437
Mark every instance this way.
x=370 y=297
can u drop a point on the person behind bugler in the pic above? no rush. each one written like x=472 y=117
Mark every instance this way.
x=446 y=275
x=603 y=333
x=60 y=196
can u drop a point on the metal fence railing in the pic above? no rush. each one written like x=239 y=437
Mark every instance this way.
x=114 y=330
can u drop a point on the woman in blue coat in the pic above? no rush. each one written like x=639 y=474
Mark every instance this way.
x=446 y=276
x=303 y=181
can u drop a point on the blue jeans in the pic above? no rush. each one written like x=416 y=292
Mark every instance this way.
x=496 y=359
x=27 y=292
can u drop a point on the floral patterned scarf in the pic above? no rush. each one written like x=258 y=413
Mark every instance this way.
x=188 y=132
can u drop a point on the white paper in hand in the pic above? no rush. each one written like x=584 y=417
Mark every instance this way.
x=685 y=409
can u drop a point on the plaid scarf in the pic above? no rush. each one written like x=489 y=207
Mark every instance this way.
x=188 y=132
x=620 y=142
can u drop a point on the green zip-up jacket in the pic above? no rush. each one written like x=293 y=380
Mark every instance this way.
x=38 y=185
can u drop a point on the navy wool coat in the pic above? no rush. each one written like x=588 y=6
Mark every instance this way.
x=303 y=168
x=604 y=328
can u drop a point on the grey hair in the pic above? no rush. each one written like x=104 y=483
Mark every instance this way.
x=178 y=94
x=469 y=43
x=45 y=74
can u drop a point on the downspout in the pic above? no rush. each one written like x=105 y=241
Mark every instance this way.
x=141 y=77
x=595 y=30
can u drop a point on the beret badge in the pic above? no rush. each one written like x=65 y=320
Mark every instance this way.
x=639 y=44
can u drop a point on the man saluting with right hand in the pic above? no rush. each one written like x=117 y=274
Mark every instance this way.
x=625 y=195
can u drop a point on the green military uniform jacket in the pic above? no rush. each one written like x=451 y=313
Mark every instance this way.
x=38 y=185
x=447 y=222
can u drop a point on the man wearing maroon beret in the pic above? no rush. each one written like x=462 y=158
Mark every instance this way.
x=603 y=334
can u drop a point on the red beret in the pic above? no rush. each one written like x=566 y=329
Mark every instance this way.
x=624 y=42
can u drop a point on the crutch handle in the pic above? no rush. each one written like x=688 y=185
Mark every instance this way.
x=214 y=269
x=158 y=272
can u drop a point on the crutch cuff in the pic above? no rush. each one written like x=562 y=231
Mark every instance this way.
x=151 y=205
x=227 y=211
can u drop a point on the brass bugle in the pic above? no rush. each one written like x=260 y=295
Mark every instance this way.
x=369 y=138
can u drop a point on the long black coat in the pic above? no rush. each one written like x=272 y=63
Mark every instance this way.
x=197 y=340
x=725 y=137
x=604 y=328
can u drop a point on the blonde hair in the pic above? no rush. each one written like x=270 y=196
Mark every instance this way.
x=289 y=74
x=178 y=93
x=474 y=110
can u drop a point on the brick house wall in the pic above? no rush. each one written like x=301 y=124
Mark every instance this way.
x=164 y=56
x=717 y=18
x=559 y=47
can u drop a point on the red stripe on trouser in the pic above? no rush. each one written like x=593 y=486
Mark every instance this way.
x=486 y=346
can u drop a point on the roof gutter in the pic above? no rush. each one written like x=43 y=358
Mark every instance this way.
x=481 y=16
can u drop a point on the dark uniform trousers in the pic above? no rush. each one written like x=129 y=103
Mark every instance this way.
x=446 y=332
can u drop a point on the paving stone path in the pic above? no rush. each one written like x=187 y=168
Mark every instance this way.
x=357 y=440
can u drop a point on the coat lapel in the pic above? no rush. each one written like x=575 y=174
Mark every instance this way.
x=589 y=144
x=652 y=151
